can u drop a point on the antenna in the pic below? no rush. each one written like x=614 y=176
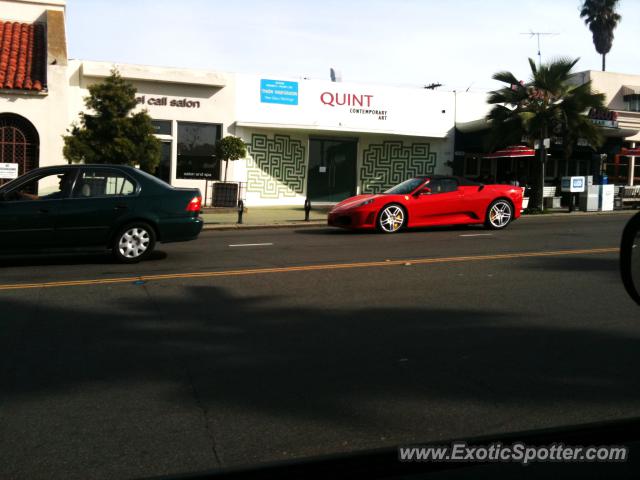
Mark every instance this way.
x=531 y=33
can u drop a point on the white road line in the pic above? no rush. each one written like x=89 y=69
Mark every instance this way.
x=477 y=235
x=251 y=244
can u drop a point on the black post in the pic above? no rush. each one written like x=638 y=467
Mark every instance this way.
x=240 y=211
x=307 y=209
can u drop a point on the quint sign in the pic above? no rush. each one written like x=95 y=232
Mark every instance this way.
x=361 y=104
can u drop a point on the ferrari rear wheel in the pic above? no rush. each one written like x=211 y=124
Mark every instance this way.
x=499 y=214
x=391 y=219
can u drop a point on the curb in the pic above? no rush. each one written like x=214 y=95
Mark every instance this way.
x=323 y=223
x=579 y=214
x=235 y=226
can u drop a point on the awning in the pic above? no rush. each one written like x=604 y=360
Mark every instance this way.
x=514 y=151
x=630 y=90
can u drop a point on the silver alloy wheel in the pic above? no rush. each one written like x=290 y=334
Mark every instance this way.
x=391 y=219
x=134 y=242
x=500 y=214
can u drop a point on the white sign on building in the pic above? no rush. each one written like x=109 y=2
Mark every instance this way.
x=337 y=106
x=8 y=171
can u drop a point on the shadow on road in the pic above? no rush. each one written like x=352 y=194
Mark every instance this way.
x=318 y=363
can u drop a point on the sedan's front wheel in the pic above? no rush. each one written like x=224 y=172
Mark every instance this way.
x=391 y=219
x=134 y=243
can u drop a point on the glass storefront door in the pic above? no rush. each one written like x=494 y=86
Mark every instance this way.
x=163 y=170
x=332 y=169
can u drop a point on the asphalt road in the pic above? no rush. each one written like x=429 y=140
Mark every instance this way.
x=262 y=345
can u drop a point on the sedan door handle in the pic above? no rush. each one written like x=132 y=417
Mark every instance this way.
x=120 y=207
x=43 y=210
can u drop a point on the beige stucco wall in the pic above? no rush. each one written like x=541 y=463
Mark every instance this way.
x=610 y=84
x=46 y=111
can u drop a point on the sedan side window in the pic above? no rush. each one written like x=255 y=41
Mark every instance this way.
x=52 y=186
x=97 y=182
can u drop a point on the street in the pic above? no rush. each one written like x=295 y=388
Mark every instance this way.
x=251 y=346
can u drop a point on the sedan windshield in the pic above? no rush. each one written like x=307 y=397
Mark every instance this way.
x=405 y=187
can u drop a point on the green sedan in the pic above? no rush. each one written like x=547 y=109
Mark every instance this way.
x=117 y=207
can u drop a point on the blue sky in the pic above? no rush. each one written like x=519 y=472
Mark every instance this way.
x=405 y=42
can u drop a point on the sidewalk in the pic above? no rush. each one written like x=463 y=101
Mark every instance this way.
x=261 y=217
x=277 y=217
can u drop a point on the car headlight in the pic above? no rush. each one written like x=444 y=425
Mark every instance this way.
x=366 y=202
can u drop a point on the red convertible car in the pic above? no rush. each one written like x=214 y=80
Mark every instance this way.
x=428 y=201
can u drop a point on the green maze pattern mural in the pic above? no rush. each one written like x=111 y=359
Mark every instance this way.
x=389 y=163
x=277 y=166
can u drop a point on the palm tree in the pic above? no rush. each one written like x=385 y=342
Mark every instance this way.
x=602 y=19
x=548 y=104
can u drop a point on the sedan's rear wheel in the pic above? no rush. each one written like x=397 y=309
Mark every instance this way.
x=392 y=219
x=134 y=243
x=499 y=214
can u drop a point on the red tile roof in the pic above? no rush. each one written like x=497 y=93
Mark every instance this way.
x=22 y=56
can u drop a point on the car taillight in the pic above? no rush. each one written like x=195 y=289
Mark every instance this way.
x=195 y=204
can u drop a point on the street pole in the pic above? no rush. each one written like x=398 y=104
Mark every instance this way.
x=542 y=156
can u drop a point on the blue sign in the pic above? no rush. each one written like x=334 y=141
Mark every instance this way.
x=278 y=91
x=578 y=182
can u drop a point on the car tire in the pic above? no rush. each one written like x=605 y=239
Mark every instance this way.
x=391 y=219
x=499 y=214
x=134 y=242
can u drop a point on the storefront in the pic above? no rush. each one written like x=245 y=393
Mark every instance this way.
x=327 y=140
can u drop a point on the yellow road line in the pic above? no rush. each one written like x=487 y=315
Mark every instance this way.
x=303 y=268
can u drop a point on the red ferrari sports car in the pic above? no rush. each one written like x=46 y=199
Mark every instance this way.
x=428 y=201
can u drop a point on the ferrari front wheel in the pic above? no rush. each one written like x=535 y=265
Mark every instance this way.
x=391 y=219
x=499 y=214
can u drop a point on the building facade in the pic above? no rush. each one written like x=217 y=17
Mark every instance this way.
x=306 y=138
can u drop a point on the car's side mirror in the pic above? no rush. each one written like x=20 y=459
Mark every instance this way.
x=425 y=191
x=481 y=187
x=630 y=257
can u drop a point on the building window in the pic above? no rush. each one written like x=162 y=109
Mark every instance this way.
x=196 y=154
x=161 y=127
x=632 y=103
x=19 y=143
x=471 y=166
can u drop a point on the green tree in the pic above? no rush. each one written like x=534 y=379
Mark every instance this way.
x=602 y=19
x=230 y=149
x=550 y=104
x=109 y=132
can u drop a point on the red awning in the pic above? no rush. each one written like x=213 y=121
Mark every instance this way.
x=514 y=151
x=630 y=152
